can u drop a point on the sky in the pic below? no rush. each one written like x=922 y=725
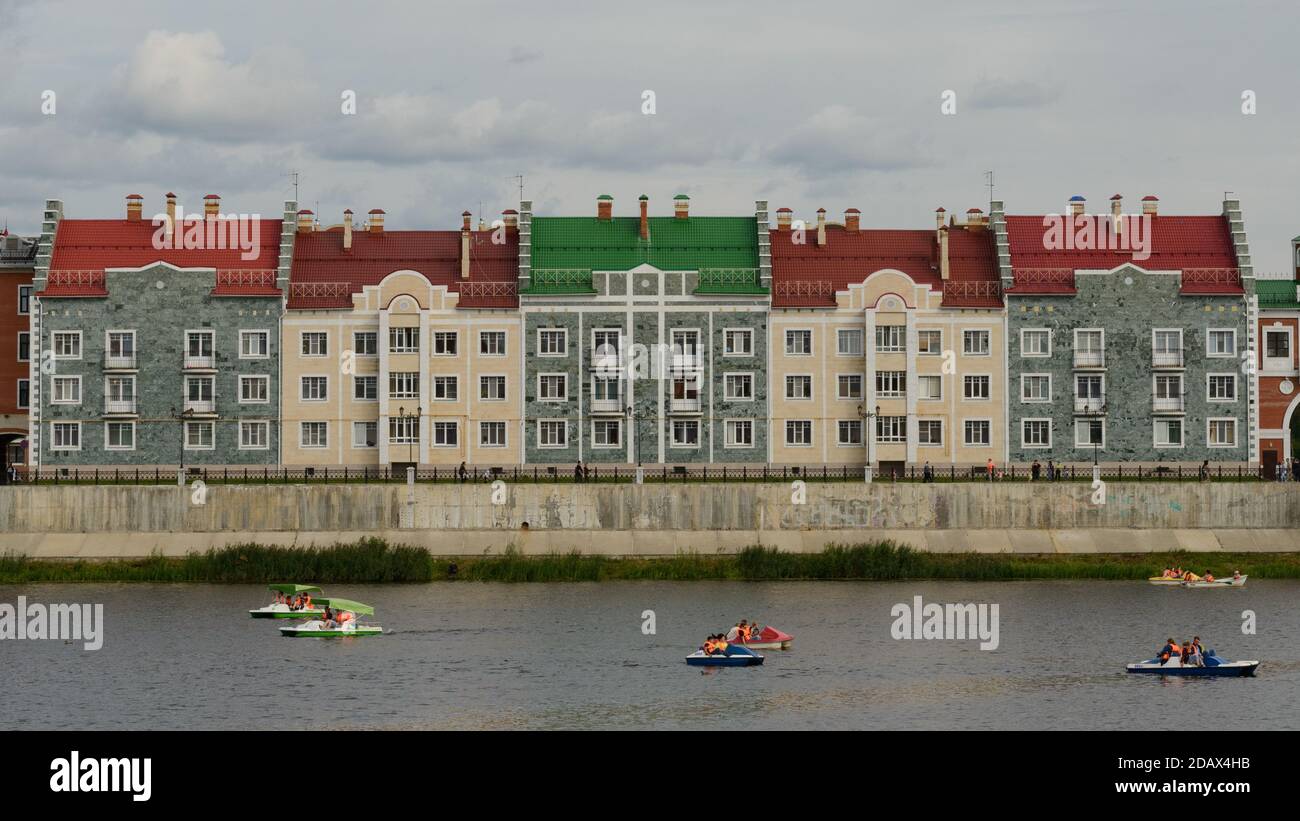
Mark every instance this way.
x=805 y=105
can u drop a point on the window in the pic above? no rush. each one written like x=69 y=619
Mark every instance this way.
x=1221 y=342
x=198 y=435
x=849 y=341
x=365 y=343
x=315 y=388
x=405 y=340
x=976 y=432
x=121 y=347
x=1036 y=433
x=891 y=339
x=119 y=436
x=445 y=389
x=492 y=434
x=975 y=343
x=404 y=385
x=365 y=434
x=444 y=343
x=686 y=344
x=65 y=390
x=1089 y=393
x=738 y=387
x=849 y=432
x=1222 y=387
x=24 y=393
x=314 y=343
x=492 y=388
x=198 y=388
x=403 y=430
x=605 y=390
x=929 y=387
x=492 y=343
x=1090 y=433
x=798 y=387
x=1167 y=348
x=798 y=343
x=65 y=436
x=120 y=389
x=798 y=433
x=254 y=344
x=365 y=388
x=929 y=432
x=738 y=342
x=849 y=386
x=605 y=345
x=446 y=434
x=254 y=435
x=1169 y=433
x=889 y=384
x=739 y=433
x=1168 y=392
x=1035 y=342
x=24 y=300
x=552 y=342
x=198 y=349
x=24 y=347
x=1222 y=433
x=1277 y=346
x=67 y=344
x=254 y=389
x=975 y=387
x=891 y=429
x=552 y=433
x=1089 y=349
x=1035 y=387
x=313 y=434
x=606 y=433
x=552 y=387
x=929 y=343
x=686 y=433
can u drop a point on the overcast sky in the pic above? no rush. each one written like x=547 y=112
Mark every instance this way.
x=807 y=105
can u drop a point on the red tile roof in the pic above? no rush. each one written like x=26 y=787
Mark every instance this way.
x=324 y=275
x=1199 y=246
x=808 y=275
x=83 y=249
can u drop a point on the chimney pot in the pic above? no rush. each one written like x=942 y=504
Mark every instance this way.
x=682 y=206
x=944 y=270
x=134 y=207
x=464 y=245
x=851 y=219
x=305 y=221
x=375 y=224
x=347 y=230
x=645 y=217
x=510 y=217
x=1150 y=204
x=784 y=216
x=465 y=220
x=604 y=207
x=821 y=227
x=1076 y=205
x=171 y=216
x=211 y=206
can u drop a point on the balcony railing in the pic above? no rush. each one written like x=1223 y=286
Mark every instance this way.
x=606 y=406
x=200 y=406
x=200 y=362
x=1089 y=359
x=729 y=281
x=333 y=291
x=1088 y=404
x=1167 y=359
x=1210 y=279
x=126 y=362
x=684 y=406
x=1174 y=404
x=560 y=281
x=963 y=291
x=112 y=406
x=238 y=279
x=1031 y=278
x=816 y=290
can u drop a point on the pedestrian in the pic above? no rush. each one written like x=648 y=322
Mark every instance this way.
x=461 y=472
x=990 y=468
x=1205 y=471
x=577 y=472
x=1035 y=470
x=1051 y=470
x=927 y=472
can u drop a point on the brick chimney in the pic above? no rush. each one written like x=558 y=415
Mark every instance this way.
x=681 y=206
x=134 y=207
x=171 y=216
x=645 y=217
x=604 y=207
x=376 y=223
x=1116 y=214
x=852 y=217
x=1076 y=205
x=784 y=216
x=211 y=206
x=974 y=218
x=511 y=219
x=464 y=245
x=1150 y=204
x=821 y=227
x=944 y=270
x=940 y=214
x=347 y=230
x=306 y=221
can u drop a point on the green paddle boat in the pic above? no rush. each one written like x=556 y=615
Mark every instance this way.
x=338 y=621
x=280 y=608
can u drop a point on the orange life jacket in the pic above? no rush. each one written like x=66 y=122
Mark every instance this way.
x=747 y=633
x=708 y=646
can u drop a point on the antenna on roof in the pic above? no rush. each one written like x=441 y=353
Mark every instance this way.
x=520 y=178
x=293 y=176
x=988 y=175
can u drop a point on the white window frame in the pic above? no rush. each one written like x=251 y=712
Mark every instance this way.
x=302 y=344
x=358 y=379
x=728 y=427
x=564 y=429
x=302 y=388
x=988 y=342
x=18 y=306
x=938 y=351
x=839 y=430
x=900 y=331
x=1155 y=438
x=1182 y=352
x=54 y=446
x=727 y=395
x=987 y=376
x=264 y=424
x=1088 y=445
x=356 y=349
x=786 y=386
x=505 y=432
x=812 y=347
x=1027 y=401
x=245 y=334
x=54 y=344
x=128 y=423
x=108 y=340
x=942 y=432
x=444 y=379
x=674 y=424
x=727 y=351
x=839 y=342
x=19 y=349
x=1024 y=442
x=1236 y=431
x=892 y=439
x=921 y=397
x=899 y=376
x=1275 y=363
x=362 y=445
x=811 y=433
x=484 y=335
x=598 y=445
x=1236 y=387
x=564 y=342
x=210 y=424
x=54 y=391
x=443 y=424
x=1232 y=347
x=505 y=387
x=399 y=343
x=18 y=397
x=1101 y=332
x=302 y=430
x=261 y=377
x=966 y=439
x=564 y=387
x=1024 y=331
x=862 y=387
x=440 y=337
x=412 y=390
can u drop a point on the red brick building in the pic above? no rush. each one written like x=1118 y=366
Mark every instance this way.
x=17 y=260
x=1277 y=364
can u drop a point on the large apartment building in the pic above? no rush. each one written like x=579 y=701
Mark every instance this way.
x=646 y=337
x=403 y=347
x=1126 y=335
x=887 y=346
x=159 y=339
x=17 y=262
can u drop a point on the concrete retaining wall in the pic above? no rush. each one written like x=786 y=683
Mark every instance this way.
x=655 y=519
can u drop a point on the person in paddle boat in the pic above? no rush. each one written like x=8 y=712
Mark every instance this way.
x=715 y=645
x=1198 y=652
x=328 y=617
x=1170 y=650
x=1209 y=577
x=1236 y=575
x=741 y=632
x=345 y=617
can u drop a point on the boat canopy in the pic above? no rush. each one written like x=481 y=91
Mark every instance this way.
x=346 y=604
x=291 y=589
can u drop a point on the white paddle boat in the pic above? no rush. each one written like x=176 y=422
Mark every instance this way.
x=279 y=609
x=339 y=621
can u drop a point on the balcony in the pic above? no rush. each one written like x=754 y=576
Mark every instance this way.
x=684 y=406
x=200 y=363
x=196 y=407
x=1172 y=404
x=560 y=281
x=1089 y=404
x=607 y=406
x=1089 y=359
x=730 y=281
x=119 y=407
x=1167 y=359
x=119 y=363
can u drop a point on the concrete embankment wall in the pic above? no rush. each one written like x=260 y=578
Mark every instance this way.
x=654 y=519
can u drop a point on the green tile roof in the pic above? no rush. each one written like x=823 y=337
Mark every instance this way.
x=587 y=243
x=1276 y=293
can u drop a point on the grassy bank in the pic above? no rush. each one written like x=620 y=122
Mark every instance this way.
x=374 y=560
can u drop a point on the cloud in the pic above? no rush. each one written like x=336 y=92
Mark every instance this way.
x=993 y=94
x=838 y=140
x=519 y=55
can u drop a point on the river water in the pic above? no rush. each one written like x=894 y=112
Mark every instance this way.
x=464 y=655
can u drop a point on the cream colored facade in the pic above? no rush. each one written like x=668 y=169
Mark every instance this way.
x=830 y=370
x=463 y=414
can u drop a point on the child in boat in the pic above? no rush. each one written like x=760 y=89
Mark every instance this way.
x=1209 y=577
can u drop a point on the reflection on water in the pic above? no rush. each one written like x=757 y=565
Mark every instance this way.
x=478 y=656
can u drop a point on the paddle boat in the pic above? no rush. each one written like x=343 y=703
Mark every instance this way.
x=733 y=656
x=1214 y=666
x=280 y=610
x=1170 y=581
x=346 y=624
x=769 y=638
x=1238 y=581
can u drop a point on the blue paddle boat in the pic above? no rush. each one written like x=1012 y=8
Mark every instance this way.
x=733 y=656
x=1214 y=666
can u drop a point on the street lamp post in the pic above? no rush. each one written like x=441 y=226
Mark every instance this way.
x=182 y=417
x=867 y=434
x=410 y=442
